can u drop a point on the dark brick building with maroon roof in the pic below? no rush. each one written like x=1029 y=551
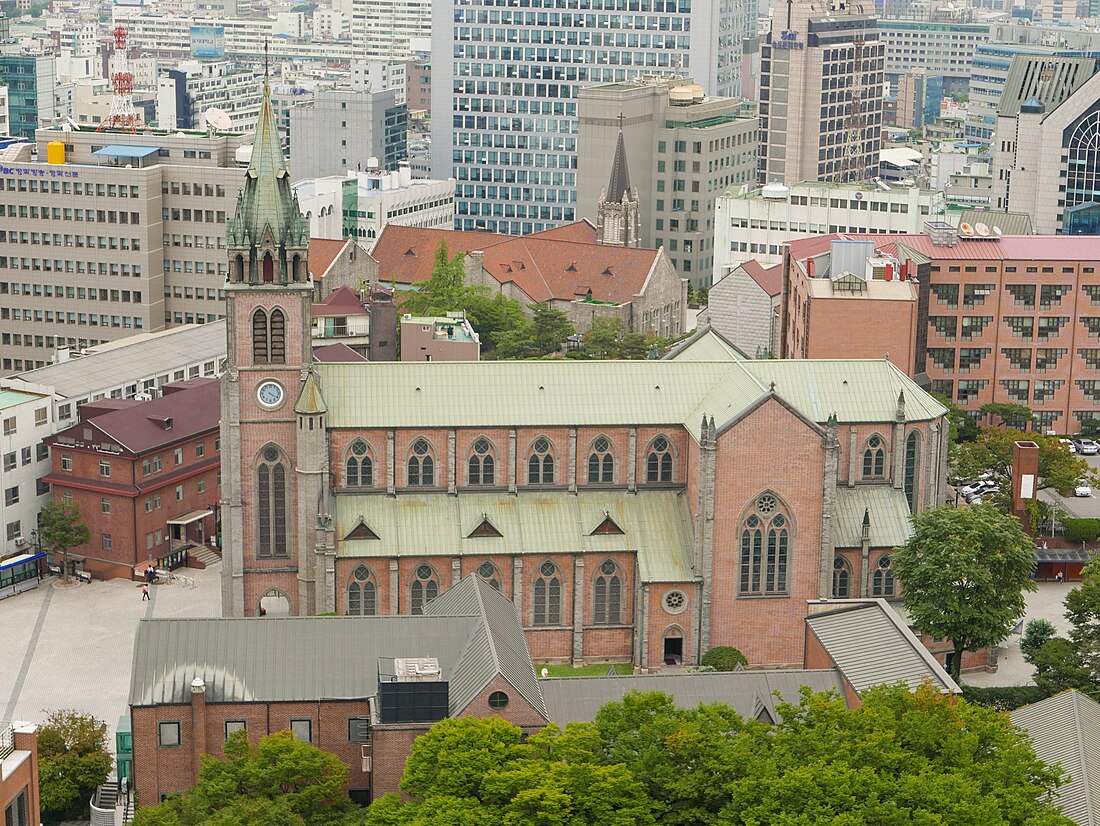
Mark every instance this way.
x=143 y=474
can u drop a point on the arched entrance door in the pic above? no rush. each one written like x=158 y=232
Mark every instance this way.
x=274 y=603
x=673 y=649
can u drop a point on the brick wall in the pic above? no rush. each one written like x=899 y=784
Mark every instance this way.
x=24 y=776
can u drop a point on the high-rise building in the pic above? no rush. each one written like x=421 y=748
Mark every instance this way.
x=506 y=82
x=342 y=129
x=682 y=148
x=32 y=83
x=185 y=94
x=821 y=93
x=390 y=29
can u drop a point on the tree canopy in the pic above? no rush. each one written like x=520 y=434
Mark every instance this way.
x=903 y=758
x=991 y=452
x=61 y=527
x=73 y=761
x=964 y=572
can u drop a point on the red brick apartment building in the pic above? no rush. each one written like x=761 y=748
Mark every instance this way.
x=144 y=474
x=19 y=799
x=997 y=319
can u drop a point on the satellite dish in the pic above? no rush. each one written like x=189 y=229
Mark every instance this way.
x=982 y=229
x=218 y=118
x=997 y=231
x=966 y=229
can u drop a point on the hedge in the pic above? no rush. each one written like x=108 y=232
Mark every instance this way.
x=1081 y=530
x=1004 y=698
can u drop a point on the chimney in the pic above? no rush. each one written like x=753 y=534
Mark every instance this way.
x=1025 y=471
x=941 y=233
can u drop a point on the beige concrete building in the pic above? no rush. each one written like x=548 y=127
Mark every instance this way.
x=821 y=80
x=683 y=149
x=126 y=235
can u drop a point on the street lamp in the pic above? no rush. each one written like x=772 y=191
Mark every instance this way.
x=36 y=540
x=216 y=507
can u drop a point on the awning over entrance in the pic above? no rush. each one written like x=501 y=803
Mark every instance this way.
x=190 y=517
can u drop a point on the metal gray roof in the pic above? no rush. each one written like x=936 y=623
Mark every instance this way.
x=1065 y=730
x=887 y=510
x=288 y=659
x=656 y=525
x=577 y=393
x=130 y=361
x=705 y=345
x=872 y=646
x=577 y=699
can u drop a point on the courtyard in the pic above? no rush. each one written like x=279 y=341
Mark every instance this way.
x=71 y=646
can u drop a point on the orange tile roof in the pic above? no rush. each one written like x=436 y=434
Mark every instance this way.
x=769 y=279
x=582 y=230
x=542 y=267
x=342 y=301
x=322 y=252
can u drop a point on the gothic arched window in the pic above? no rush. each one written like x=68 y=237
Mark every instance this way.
x=421 y=465
x=1083 y=177
x=658 y=464
x=481 y=466
x=882 y=583
x=277 y=327
x=547 y=601
x=540 y=464
x=608 y=595
x=271 y=504
x=912 y=469
x=601 y=464
x=238 y=267
x=424 y=588
x=842 y=578
x=362 y=593
x=260 y=354
x=765 y=548
x=874 y=458
x=358 y=468
x=268 y=268
x=488 y=572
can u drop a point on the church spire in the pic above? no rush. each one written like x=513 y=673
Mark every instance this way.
x=619 y=185
x=618 y=218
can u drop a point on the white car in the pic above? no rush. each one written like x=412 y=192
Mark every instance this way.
x=1082 y=489
x=1068 y=444
x=978 y=489
x=1086 y=447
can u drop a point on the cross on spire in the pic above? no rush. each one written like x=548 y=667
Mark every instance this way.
x=267 y=68
x=621 y=119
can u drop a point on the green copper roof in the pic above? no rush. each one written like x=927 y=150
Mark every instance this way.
x=311 y=400
x=267 y=201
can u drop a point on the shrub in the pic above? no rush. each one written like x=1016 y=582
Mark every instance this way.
x=724 y=658
x=1004 y=698
x=1081 y=530
x=1036 y=632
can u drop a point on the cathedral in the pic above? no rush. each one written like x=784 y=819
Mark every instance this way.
x=632 y=511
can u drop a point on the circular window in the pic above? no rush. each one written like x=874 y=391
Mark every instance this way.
x=884 y=562
x=779 y=521
x=361 y=573
x=481 y=446
x=548 y=569
x=753 y=521
x=675 y=602
x=839 y=564
x=271 y=454
x=498 y=700
x=874 y=441
x=765 y=504
x=359 y=448
x=486 y=570
x=424 y=572
x=601 y=445
x=420 y=447
x=608 y=568
x=660 y=444
x=541 y=445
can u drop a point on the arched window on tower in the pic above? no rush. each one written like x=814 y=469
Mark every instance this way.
x=260 y=354
x=842 y=578
x=358 y=467
x=601 y=464
x=362 y=593
x=658 y=464
x=608 y=595
x=874 y=458
x=268 y=268
x=481 y=467
x=424 y=588
x=882 y=583
x=540 y=464
x=421 y=465
x=912 y=469
x=765 y=548
x=547 y=597
x=238 y=268
x=271 y=504
x=277 y=327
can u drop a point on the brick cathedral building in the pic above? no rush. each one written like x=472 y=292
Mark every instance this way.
x=631 y=511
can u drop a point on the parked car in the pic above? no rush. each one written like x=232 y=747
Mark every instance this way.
x=1086 y=447
x=1068 y=444
x=1083 y=489
x=978 y=489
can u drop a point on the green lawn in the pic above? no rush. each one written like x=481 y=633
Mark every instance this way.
x=584 y=670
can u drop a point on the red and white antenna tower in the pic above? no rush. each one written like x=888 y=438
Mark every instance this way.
x=122 y=116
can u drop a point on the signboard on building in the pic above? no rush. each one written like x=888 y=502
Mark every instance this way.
x=208 y=42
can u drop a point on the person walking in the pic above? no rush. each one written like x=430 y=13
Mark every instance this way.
x=145 y=593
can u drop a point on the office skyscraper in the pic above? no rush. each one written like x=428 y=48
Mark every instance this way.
x=505 y=81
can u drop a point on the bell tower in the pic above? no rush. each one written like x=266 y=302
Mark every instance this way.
x=618 y=217
x=268 y=320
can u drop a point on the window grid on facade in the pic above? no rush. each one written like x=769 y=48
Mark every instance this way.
x=842 y=578
x=425 y=588
x=271 y=505
x=540 y=464
x=601 y=464
x=765 y=549
x=481 y=466
x=362 y=595
x=547 y=596
x=882 y=582
x=874 y=458
x=421 y=465
x=658 y=466
x=358 y=469
x=608 y=596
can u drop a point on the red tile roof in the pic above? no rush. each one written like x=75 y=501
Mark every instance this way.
x=582 y=230
x=322 y=252
x=1005 y=248
x=769 y=279
x=342 y=301
x=338 y=352
x=542 y=267
x=139 y=428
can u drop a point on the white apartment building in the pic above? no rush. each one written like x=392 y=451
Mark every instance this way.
x=361 y=204
x=939 y=47
x=755 y=224
x=331 y=24
x=5 y=124
x=186 y=93
x=24 y=421
x=390 y=29
x=380 y=76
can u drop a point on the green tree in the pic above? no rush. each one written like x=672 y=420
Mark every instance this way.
x=279 y=780
x=60 y=527
x=1036 y=633
x=724 y=658
x=964 y=572
x=992 y=452
x=1018 y=415
x=1083 y=612
x=1058 y=666
x=73 y=761
x=552 y=328
x=603 y=338
x=961 y=427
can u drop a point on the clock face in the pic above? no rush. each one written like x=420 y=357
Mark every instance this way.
x=270 y=394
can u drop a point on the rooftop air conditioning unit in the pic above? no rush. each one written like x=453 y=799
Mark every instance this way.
x=20 y=542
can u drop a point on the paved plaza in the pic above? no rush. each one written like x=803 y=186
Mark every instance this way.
x=72 y=646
